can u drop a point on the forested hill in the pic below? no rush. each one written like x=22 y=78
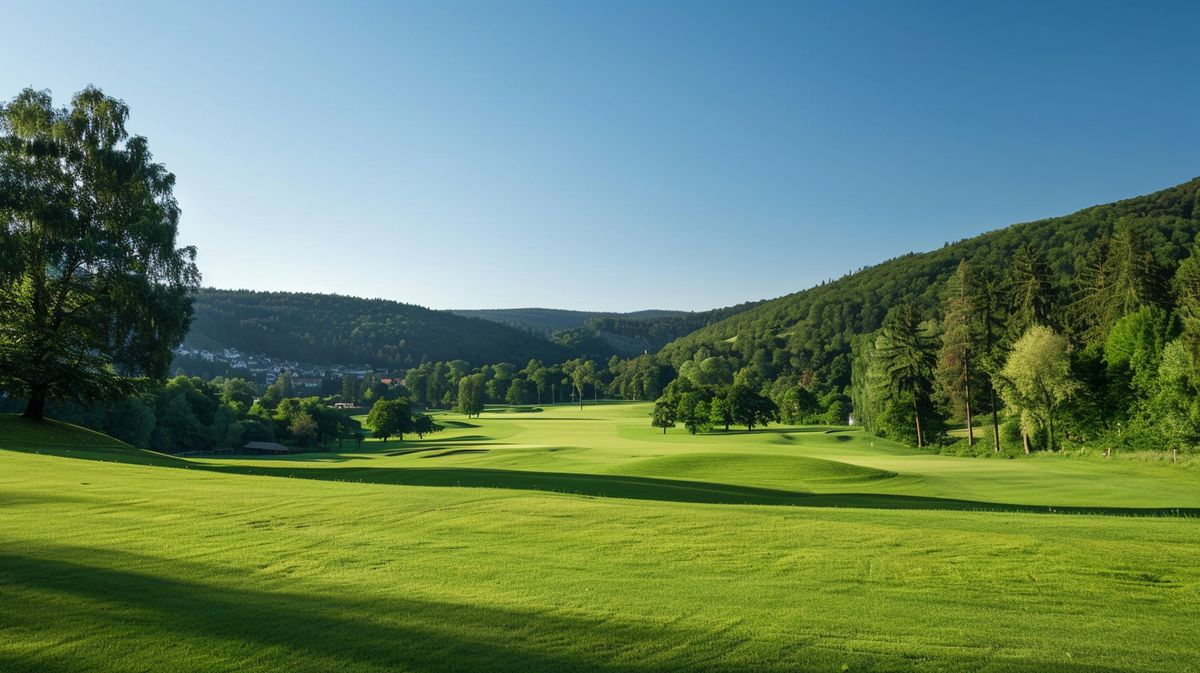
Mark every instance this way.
x=600 y=335
x=633 y=334
x=808 y=333
x=326 y=329
x=548 y=321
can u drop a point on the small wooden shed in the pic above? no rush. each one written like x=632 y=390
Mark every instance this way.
x=265 y=447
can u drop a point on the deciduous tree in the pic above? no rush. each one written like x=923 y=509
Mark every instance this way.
x=1036 y=380
x=470 y=394
x=391 y=417
x=95 y=291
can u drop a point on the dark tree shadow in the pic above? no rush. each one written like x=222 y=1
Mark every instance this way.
x=675 y=490
x=645 y=488
x=151 y=619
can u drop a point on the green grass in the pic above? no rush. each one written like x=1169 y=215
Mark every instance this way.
x=569 y=540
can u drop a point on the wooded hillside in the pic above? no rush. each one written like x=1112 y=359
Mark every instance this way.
x=808 y=333
x=323 y=328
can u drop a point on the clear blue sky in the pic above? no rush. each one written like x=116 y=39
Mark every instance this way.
x=619 y=156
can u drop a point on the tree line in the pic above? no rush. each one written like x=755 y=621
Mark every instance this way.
x=1111 y=360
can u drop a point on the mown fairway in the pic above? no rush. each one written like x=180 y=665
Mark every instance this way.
x=563 y=540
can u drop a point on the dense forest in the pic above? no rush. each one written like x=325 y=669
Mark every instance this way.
x=601 y=335
x=327 y=329
x=1102 y=299
x=809 y=333
x=638 y=333
x=334 y=329
x=546 y=322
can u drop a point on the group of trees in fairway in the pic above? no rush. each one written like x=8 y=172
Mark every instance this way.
x=701 y=407
x=389 y=418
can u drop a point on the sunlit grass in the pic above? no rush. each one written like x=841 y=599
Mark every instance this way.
x=543 y=543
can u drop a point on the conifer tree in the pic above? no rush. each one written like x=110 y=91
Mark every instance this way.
x=1030 y=291
x=908 y=355
x=955 y=365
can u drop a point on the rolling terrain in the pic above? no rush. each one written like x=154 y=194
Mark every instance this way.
x=561 y=539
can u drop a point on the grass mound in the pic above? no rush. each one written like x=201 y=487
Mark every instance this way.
x=755 y=468
x=71 y=441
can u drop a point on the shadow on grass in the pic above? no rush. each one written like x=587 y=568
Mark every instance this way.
x=779 y=430
x=118 y=611
x=453 y=452
x=631 y=487
x=673 y=490
x=449 y=446
x=411 y=442
x=212 y=623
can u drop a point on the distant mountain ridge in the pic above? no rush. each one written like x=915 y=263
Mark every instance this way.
x=326 y=328
x=334 y=329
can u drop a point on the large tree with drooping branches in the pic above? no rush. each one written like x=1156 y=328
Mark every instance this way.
x=95 y=291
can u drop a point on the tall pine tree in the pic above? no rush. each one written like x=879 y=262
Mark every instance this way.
x=908 y=355
x=1030 y=291
x=991 y=311
x=955 y=365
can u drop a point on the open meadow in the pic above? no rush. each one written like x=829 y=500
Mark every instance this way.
x=566 y=539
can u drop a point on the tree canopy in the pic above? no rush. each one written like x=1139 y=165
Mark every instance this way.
x=95 y=291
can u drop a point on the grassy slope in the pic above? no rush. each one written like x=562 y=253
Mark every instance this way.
x=71 y=441
x=132 y=567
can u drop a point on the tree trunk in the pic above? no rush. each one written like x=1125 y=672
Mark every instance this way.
x=995 y=421
x=917 y=416
x=1025 y=440
x=1049 y=432
x=970 y=426
x=36 y=409
x=664 y=429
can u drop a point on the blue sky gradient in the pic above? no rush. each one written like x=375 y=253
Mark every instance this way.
x=618 y=156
